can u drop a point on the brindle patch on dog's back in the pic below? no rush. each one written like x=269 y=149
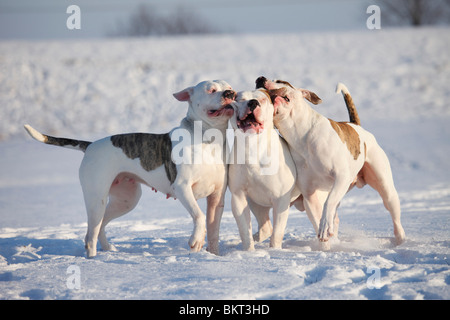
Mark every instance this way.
x=349 y=136
x=153 y=150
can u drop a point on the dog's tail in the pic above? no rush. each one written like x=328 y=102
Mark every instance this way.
x=60 y=142
x=352 y=113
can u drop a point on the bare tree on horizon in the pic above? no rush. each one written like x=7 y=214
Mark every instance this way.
x=146 y=21
x=416 y=12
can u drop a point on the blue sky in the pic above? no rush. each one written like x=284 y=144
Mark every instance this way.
x=46 y=19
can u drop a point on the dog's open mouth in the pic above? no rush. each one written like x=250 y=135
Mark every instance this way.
x=226 y=110
x=250 y=122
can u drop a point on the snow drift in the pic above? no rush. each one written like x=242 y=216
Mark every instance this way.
x=89 y=89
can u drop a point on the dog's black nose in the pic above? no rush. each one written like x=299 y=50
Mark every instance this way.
x=252 y=104
x=261 y=82
x=229 y=94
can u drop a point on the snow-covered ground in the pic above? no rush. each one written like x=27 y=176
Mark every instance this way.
x=399 y=80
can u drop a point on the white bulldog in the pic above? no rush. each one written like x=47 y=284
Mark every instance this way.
x=262 y=173
x=116 y=166
x=331 y=157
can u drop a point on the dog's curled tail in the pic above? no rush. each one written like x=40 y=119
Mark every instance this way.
x=352 y=113
x=60 y=142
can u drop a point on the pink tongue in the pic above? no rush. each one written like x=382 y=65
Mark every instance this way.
x=214 y=112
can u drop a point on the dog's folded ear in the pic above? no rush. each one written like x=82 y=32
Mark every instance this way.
x=184 y=95
x=274 y=93
x=311 y=96
x=261 y=82
x=277 y=96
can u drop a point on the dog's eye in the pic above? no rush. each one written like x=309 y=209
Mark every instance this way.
x=286 y=98
x=212 y=90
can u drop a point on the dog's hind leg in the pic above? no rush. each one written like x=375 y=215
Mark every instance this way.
x=377 y=173
x=241 y=212
x=95 y=184
x=95 y=208
x=124 y=195
x=214 y=211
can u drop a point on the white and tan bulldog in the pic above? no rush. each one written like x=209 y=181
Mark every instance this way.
x=331 y=157
x=116 y=166
x=262 y=173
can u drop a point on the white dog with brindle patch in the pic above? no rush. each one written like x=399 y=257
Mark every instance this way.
x=331 y=157
x=116 y=166
x=265 y=178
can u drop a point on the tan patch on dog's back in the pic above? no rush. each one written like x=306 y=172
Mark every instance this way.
x=349 y=136
x=285 y=83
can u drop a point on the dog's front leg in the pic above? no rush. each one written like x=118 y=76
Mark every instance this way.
x=313 y=207
x=280 y=217
x=186 y=196
x=262 y=216
x=241 y=212
x=340 y=187
x=313 y=203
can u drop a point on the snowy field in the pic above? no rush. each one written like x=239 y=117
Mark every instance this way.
x=399 y=80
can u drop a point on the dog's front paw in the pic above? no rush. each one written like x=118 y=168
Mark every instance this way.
x=399 y=235
x=197 y=241
x=325 y=231
x=248 y=245
x=264 y=233
x=275 y=245
x=260 y=236
x=213 y=248
x=196 y=245
x=91 y=251
x=109 y=247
